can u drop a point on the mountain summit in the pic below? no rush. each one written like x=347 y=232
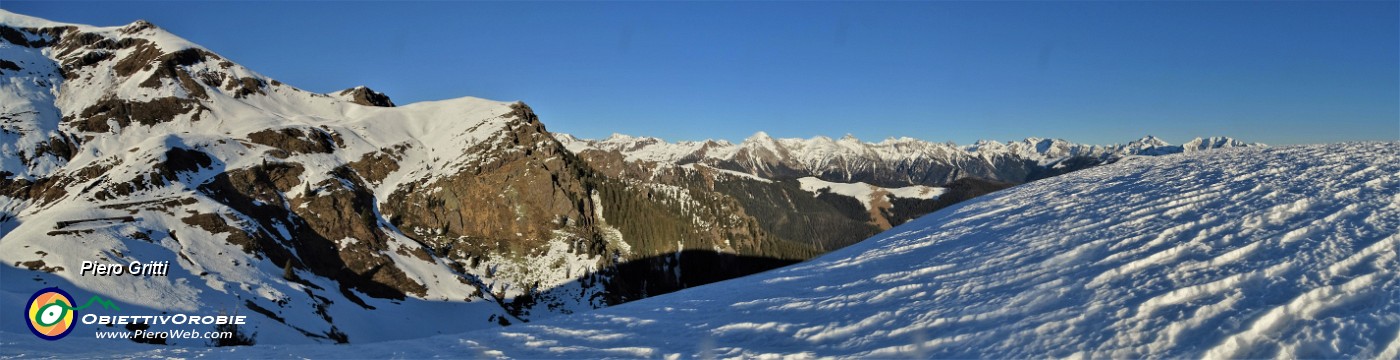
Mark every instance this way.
x=364 y=96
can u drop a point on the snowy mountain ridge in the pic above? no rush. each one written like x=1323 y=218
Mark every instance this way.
x=850 y=160
x=232 y=177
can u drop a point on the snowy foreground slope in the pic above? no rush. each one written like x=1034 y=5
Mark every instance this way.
x=1246 y=253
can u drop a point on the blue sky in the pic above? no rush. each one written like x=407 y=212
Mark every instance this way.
x=1094 y=72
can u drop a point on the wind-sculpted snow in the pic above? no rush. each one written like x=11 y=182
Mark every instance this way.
x=1249 y=253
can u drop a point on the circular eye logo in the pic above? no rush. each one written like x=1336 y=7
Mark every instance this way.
x=50 y=314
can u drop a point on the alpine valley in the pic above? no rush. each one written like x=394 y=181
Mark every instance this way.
x=327 y=218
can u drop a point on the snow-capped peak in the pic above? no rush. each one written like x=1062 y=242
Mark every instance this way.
x=618 y=137
x=1211 y=143
x=364 y=96
x=25 y=21
x=759 y=137
x=1150 y=141
x=897 y=140
x=565 y=138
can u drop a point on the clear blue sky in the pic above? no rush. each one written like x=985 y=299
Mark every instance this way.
x=1095 y=72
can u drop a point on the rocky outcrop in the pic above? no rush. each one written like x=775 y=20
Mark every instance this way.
x=109 y=111
x=364 y=96
x=312 y=225
x=518 y=197
x=296 y=140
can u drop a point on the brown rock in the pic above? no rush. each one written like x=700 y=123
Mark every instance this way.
x=125 y=112
x=295 y=140
x=364 y=96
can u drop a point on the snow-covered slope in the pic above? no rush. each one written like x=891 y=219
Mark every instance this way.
x=869 y=195
x=230 y=177
x=1286 y=252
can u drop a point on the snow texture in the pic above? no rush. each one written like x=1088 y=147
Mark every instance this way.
x=1245 y=253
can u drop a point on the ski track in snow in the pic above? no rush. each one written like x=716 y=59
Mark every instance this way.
x=1285 y=252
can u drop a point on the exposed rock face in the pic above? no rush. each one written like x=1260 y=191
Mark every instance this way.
x=101 y=117
x=364 y=96
x=510 y=202
x=9 y=65
x=296 y=140
x=530 y=188
x=168 y=169
x=344 y=208
x=373 y=167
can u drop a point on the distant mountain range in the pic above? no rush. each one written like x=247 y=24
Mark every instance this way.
x=313 y=213
x=892 y=162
